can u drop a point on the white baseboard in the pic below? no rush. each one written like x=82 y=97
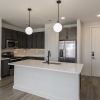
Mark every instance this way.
x=44 y=95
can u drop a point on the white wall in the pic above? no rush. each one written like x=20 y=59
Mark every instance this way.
x=12 y=27
x=86 y=51
x=51 y=42
x=79 y=41
x=39 y=30
x=0 y=44
x=21 y=29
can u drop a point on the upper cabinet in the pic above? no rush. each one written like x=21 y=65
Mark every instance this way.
x=14 y=35
x=68 y=34
x=29 y=41
x=3 y=38
x=20 y=39
x=72 y=33
x=40 y=40
x=8 y=34
x=24 y=40
x=36 y=40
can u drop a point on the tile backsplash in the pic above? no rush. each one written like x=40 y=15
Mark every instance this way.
x=27 y=52
x=35 y=52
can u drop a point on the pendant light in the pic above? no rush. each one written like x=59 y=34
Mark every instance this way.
x=29 y=30
x=58 y=27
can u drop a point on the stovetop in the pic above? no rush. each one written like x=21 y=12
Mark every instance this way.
x=11 y=56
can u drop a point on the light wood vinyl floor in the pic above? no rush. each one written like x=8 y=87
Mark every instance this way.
x=8 y=93
x=90 y=90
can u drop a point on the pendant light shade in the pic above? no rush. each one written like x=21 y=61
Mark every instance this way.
x=58 y=27
x=29 y=30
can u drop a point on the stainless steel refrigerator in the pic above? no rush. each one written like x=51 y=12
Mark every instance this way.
x=67 y=51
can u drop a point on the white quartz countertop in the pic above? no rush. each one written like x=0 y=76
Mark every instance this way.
x=73 y=68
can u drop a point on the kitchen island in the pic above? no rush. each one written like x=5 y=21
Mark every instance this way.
x=55 y=81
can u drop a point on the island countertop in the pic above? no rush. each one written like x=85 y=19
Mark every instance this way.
x=73 y=68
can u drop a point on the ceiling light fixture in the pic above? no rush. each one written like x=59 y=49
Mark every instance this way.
x=29 y=30
x=58 y=27
x=98 y=15
x=62 y=18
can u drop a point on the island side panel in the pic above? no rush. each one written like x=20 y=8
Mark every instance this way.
x=48 y=84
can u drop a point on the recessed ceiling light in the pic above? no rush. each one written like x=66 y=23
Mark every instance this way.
x=98 y=15
x=62 y=17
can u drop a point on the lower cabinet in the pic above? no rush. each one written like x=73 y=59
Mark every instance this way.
x=5 y=68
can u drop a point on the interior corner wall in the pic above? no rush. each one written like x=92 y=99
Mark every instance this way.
x=12 y=27
x=79 y=41
x=0 y=44
x=86 y=46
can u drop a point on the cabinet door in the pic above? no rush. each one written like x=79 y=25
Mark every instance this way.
x=3 y=38
x=63 y=35
x=20 y=37
x=14 y=35
x=42 y=40
x=5 y=68
x=24 y=40
x=39 y=40
x=8 y=34
x=30 y=41
x=72 y=33
x=34 y=40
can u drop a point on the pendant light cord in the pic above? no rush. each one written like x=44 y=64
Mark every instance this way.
x=58 y=2
x=29 y=9
x=58 y=12
x=29 y=18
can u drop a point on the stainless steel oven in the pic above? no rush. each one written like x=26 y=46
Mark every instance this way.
x=11 y=44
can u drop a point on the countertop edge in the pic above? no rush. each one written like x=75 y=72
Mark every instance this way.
x=27 y=66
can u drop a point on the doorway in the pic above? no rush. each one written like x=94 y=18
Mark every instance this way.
x=95 y=51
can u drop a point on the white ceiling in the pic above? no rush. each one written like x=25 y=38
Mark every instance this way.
x=15 y=11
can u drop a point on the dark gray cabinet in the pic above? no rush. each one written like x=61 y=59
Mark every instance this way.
x=36 y=40
x=8 y=34
x=14 y=35
x=42 y=40
x=24 y=41
x=3 y=38
x=72 y=33
x=29 y=41
x=39 y=40
x=5 y=68
x=68 y=34
x=20 y=38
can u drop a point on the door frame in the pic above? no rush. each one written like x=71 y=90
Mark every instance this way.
x=91 y=47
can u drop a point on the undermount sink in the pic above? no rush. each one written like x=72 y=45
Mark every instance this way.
x=53 y=63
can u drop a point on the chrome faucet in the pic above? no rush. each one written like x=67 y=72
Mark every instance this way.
x=49 y=55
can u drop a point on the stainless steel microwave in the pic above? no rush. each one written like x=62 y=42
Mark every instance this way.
x=12 y=44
